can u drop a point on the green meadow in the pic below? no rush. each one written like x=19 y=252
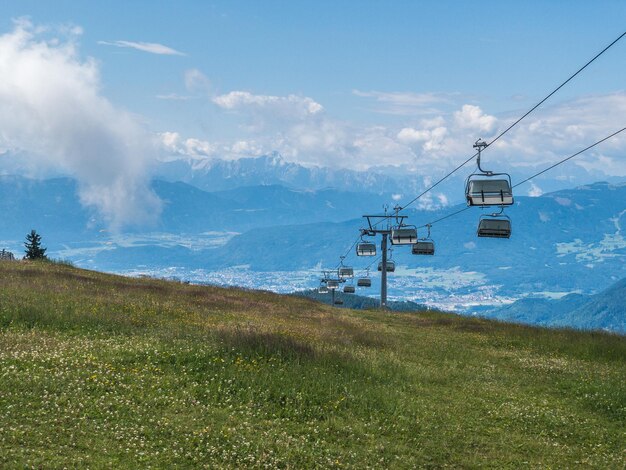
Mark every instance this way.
x=101 y=371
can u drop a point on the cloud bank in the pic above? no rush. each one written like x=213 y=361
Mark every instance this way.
x=51 y=109
x=429 y=143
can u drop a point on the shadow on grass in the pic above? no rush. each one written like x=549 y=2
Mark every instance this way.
x=249 y=340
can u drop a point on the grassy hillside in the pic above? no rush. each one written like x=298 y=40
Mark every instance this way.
x=109 y=372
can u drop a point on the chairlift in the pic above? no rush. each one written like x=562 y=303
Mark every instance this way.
x=424 y=246
x=366 y=249
x=323 y=290
x=338 y=302
x=345 y=272
x=487 y=188
x=495 y=225
x=403 y=235
x=391 y=266
x=364 y=281
x=349 y=290
x=332 y=284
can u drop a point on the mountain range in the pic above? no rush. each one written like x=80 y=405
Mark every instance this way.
x=215 y=174
x=277 y=237
x=605 y=310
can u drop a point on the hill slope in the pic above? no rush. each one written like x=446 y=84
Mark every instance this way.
x=605 y=310
x=103 y=371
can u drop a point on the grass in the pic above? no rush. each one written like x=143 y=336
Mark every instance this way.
x=102 y=371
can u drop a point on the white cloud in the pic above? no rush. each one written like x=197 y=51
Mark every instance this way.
x=246 y=149
x=175 y=144
x=292 y=106
x=430 y=139
x=544 y=217
x=302 y=131
x=406 y=103
x=151 y=47
x=610 y=165
x=196 y=84
x=472 y=117
x=409 y=135
x=172 y=97
x=51 y=109
x=196 y=81
x=534 y=190
x=555 y=132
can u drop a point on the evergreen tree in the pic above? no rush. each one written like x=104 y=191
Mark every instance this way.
x=33 y=246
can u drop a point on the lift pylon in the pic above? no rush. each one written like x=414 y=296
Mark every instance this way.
x=373 y=221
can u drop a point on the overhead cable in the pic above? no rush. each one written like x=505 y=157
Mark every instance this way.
x=535 y=175
x=520 y=119
x=570 y=157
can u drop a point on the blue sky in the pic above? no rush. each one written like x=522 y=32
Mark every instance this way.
x=349 y=83
x=491 y=50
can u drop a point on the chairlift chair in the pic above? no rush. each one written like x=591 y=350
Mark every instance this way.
x=345 y=272
x=332 y=284
x=364 y=282
x=482 y=189
x=349 y=290
x=403 y=235
x=424 y=246
x=323 y=290
x=494 y=226
x=366 y=249
x=338 y=302
x=391 y=266
x=486 y=188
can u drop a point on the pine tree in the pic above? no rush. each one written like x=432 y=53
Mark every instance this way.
x=33 y=246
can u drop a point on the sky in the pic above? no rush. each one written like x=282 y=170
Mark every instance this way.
x=350 y=84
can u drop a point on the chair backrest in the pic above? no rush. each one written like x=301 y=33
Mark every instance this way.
x=489 y=191
x=403 y=236
x=346 y=272
x=366 y=249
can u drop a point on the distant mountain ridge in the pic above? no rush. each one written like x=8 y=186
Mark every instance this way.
x=220 y=175
x=215 y=174
x=53 y=207
x=566 y=241
x=603 y=311
x=560 y=235
x=606 y=310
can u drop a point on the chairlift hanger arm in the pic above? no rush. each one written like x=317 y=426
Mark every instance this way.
x=495 y=214
x=372 y=227
x=481 y=145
